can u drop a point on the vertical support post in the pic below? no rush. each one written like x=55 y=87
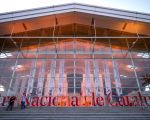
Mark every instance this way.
x=14 y=70
x=116 y=73
x=132 y=62
x=74 y=66
x=32 y=73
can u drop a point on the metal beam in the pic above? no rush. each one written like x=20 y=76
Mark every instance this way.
x=69 y=37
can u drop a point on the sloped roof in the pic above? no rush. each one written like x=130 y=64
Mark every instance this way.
x=75 y=13
x=111 y=12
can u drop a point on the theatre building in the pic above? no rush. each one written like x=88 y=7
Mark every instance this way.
x=75 y=53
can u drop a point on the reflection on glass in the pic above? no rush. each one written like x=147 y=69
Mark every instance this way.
x=70 y=67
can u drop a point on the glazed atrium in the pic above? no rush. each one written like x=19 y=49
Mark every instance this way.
x=74 y=50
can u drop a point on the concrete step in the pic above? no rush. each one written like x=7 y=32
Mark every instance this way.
x=81 y=109
x=75 y=117
x=76 y=113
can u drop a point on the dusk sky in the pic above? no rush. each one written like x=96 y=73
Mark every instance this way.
x=132 y=5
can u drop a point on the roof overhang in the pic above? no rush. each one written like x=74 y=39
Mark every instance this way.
x=105 y=18
x=75 y=7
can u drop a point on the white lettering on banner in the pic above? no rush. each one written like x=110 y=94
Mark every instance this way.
x=51 y=79
x=117 y=78
x=31 y=77
x=107 y=78
x=88 y=91
x=96 y=78
x=61 y=78
x=39 y=89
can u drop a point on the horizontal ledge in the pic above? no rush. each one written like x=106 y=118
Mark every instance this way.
x=53 y=37
x=78 y=58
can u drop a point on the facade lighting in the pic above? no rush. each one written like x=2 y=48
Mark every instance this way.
x=143 y=55
x=131 y=67
x=17 y=67
x=147 y=87
x=25 y=76
x=123 y=76
x=2 y=88
x=5 y=55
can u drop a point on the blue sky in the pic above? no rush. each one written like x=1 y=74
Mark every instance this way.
x=132 y=5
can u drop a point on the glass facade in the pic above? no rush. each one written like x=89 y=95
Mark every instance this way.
x=74 y=66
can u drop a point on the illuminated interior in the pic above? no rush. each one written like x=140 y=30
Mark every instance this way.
x=73 y=55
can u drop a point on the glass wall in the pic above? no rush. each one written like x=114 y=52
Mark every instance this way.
x=41 y=67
